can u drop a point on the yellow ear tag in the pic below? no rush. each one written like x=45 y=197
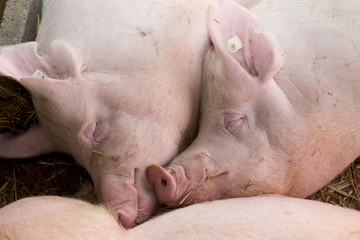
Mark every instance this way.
x=234 y=44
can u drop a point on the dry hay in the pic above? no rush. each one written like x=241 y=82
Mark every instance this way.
x=17 y=112
x=343 y=190
x=52 y=174
x=57 y=174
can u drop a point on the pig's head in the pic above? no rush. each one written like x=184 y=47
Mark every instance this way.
x=105 y=123
x=243 y=142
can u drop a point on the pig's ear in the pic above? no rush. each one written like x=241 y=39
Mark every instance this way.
x=29 y=144
x=235 y=39
x=62 y=60
x=38 y=74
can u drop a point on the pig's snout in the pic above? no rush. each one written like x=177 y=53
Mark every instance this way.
x=164 y=183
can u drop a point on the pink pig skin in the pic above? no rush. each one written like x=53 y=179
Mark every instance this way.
x=120 y=90
x=266 y=217
x=281 y=115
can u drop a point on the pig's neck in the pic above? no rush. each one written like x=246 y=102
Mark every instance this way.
x=321 y=85
x=323 y=160
x=326 y=136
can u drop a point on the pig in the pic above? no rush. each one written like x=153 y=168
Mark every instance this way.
x=115 y=84
x=265 y=217
x=280 y=103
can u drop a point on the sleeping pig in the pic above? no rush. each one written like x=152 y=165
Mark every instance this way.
x=280 y=104
x=115 y=84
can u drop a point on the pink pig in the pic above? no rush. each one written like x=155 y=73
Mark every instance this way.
x=116 y=84
x=280 y=107
x=265 y=217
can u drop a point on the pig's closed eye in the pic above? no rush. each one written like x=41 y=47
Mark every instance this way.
x=236 y=124
x=96 y=131
x=101 y=131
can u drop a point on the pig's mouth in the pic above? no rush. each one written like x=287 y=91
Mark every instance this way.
x=200 y=193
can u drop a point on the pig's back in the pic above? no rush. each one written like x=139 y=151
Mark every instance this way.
x=266 y=217
x=319 y=41
x=51 y=217
x=126 y=35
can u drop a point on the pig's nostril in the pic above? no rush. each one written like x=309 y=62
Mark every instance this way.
x=164 y=182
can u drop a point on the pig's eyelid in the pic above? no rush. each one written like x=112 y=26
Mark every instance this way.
x=235 y=125
x=238 y=122
x=232 y=117
x=100 y=131
x=88 y=132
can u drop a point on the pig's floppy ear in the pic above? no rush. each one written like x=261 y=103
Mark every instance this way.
x=39 y=75
x=62 y=60
x=235 y=39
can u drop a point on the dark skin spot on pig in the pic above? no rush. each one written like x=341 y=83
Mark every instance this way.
x=143 y=32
